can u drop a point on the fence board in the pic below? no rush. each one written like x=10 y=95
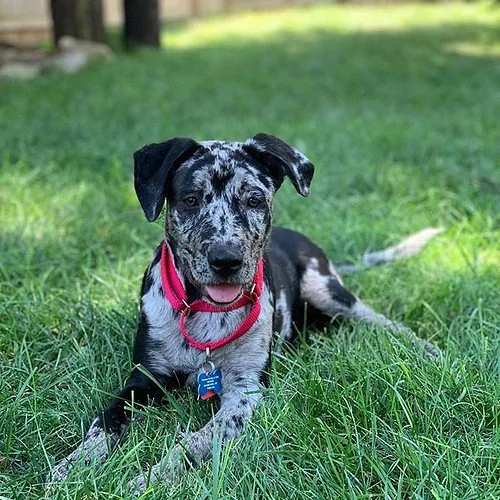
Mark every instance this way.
x=28 y=21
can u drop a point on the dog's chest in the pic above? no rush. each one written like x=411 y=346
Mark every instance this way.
x=168 y=351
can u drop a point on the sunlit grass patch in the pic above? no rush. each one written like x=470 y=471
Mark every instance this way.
x=261 y=26
x=474 y=49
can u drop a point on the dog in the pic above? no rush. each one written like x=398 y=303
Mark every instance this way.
x=223 y=288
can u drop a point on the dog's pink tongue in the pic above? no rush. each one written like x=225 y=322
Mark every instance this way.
x=223 y=293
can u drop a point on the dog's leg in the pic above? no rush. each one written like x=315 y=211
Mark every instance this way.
x=107 y=428
x=326 y=293
x=361 y=312
x=237 y=406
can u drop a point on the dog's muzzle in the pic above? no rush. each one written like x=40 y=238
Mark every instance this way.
x=225 y=262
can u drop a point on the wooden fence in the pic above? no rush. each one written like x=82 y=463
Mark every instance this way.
x=28 y=21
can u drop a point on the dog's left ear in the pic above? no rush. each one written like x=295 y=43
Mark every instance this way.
x=280 y=159
x=153 y=164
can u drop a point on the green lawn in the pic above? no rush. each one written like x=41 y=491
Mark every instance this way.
x=398 y=107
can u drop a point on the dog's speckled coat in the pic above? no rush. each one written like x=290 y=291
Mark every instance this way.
x=219 y=201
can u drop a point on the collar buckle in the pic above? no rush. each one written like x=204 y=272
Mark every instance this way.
x=252 y=294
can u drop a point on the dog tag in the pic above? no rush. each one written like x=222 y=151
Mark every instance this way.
x=209 y=383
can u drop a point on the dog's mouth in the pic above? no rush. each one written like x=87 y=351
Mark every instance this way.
x=224 y=294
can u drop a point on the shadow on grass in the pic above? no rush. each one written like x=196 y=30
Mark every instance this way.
x=390 y=89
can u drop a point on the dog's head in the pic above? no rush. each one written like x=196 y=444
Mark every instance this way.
x=219 y=204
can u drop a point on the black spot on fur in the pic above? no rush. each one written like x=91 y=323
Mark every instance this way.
x=157 y=256
x=277 y=321
x=264 y=374
x=237 y=421
x=140 y=390
x=189 y=460
x=265 y=179
x=147 y=282
x=341 y=294
x=193 y=292
x=206 y=231
x=235 y=205
x=223 y=320
x=220 y=180
x=141 y=340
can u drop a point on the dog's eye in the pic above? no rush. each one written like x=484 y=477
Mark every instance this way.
x=253 y=202
x=190 y=201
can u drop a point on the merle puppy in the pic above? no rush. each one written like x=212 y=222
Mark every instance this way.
x=221 y=286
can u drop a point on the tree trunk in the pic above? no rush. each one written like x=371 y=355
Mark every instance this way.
x=81 y=19
x=141 y=23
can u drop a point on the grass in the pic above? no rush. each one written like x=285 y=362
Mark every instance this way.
x=398 y=108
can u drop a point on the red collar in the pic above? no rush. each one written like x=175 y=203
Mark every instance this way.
x=176 y=295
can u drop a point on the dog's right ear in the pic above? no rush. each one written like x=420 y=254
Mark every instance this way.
x=153 y=165
x=281 y=159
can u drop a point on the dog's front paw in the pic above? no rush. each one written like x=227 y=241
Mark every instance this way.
x=432 y=350
x=164 y=471
x=94 y=449
x=429 y=349
x=423 y=345
x=140 y=483
x=60 y=472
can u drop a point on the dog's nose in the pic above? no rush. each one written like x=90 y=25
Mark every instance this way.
x=225 y=261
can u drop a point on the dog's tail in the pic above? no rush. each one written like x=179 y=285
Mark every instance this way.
x=406 y=248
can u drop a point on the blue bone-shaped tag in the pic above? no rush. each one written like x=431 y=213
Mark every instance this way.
x=209 y=384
